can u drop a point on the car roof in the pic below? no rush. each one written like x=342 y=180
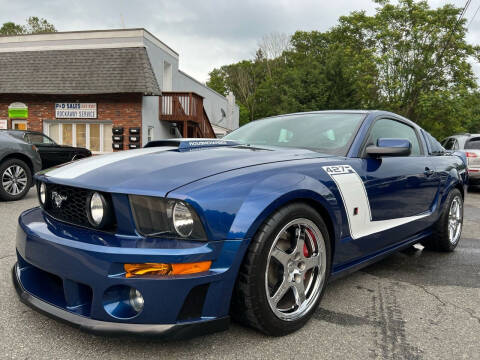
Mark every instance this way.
x=21 y=131
x=466 y=135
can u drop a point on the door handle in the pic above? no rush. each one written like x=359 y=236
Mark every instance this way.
x=428 y=171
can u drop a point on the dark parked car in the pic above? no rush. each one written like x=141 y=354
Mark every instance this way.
x=52 y=154
x=18 y=162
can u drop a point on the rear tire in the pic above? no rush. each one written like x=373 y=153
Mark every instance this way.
x=289 y=255
x=15 y=179
x=448 y=228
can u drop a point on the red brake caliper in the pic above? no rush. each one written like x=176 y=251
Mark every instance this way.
x=309 y=252
x=306 y=251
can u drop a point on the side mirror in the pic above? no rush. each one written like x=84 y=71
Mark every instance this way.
x=390 y=147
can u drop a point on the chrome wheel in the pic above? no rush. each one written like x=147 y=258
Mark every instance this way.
x=455 y=217
x=14 y=180
x=296 y=267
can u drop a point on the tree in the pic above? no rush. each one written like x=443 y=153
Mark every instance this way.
x=270 y=48
x=34 y=25
x=406 y=58
x=420 y=53
x=10 y=28
x=274 y=44
x=242 y=79
x=216 y=81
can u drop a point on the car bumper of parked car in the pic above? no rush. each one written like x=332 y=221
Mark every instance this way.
x=474 y=176
x=80 y=283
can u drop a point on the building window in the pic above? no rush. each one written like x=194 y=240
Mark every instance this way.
x=81 y=134
x=97 y=137
x=67 y=134
x=150 y=134
x=19 y=124
x=167 y=76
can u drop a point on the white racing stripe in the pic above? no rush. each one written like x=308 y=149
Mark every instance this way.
x=84 y=166
x=354 y=195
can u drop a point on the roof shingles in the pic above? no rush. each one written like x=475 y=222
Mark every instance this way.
x=84 y=71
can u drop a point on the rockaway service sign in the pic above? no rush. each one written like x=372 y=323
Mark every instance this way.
x=76 y=110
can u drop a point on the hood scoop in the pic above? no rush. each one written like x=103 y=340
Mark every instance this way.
x=191 y=144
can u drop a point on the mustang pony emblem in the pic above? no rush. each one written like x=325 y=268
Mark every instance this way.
x=58 y=199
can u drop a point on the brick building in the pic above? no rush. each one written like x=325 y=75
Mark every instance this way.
x=105 y=90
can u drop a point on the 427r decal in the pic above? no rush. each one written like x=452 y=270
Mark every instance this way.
x=357 y=205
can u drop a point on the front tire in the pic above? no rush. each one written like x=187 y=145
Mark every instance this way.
x=15 y=179
x=448 y=228
x=284 y=273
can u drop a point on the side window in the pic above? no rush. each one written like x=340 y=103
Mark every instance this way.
x=449 y=144
x=435 y=147
x=386 y=128
x=38 y=139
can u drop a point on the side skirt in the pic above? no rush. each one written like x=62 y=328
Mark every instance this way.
x=353 y=266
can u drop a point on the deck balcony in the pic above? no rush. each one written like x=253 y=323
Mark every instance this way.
x=186 y=110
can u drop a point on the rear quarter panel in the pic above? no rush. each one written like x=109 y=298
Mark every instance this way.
x=452 y=171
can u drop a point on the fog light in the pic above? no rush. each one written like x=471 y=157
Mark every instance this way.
x=136 y=300
x=122 y=302
x=149 y=269
x=97 y=208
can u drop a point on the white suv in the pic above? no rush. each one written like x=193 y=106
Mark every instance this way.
x=470 y=144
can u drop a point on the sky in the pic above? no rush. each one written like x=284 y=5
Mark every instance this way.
x=206 y=33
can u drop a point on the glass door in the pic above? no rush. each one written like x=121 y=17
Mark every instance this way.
x=19 y=124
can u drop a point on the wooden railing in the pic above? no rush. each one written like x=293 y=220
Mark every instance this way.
x=186 y=109
x=181 y=106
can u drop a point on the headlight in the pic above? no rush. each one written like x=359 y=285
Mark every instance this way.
x=168 y=218
x=182 y=219
x=99 y=212
x=42 y=193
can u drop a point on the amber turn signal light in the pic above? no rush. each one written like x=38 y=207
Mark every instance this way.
x=136 y=270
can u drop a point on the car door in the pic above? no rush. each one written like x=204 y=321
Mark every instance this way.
x=399 y=187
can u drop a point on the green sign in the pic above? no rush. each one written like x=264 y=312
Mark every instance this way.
x=18 y=110
x=18 y=113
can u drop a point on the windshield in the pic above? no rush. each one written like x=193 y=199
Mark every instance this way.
x=330 y=133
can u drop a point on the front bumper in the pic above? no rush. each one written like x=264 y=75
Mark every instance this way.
x=65 y=272
x=170 y=331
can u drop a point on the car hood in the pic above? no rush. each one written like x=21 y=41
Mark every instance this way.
x=158 y=170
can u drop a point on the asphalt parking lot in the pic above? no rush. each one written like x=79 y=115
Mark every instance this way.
x=412 y=305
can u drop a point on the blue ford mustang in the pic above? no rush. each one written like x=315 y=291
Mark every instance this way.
x=173 y=238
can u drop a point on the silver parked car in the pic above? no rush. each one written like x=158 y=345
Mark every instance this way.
x=19 y=160
x=470 y=144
